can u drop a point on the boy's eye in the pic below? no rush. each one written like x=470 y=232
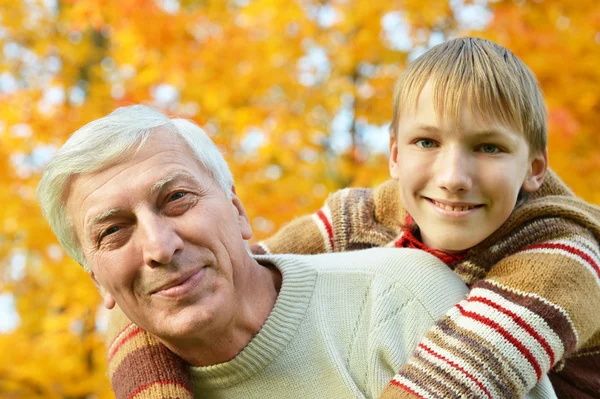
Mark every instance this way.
x=425 y=143
x=489 y=148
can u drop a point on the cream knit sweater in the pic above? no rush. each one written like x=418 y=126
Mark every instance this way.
x=342 y=325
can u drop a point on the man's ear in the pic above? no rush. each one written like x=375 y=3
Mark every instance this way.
x=108 y=300
x=537 y=170
x=243 y=221
x=393 y=163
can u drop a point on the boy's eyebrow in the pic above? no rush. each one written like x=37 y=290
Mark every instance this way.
x=99 y=219
x=169 y=178
x=492 y=133
x=428 y=128
x=480 y=134
x=486 y=133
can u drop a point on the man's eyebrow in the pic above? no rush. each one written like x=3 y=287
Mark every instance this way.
x=99 y=219
x=169 y=178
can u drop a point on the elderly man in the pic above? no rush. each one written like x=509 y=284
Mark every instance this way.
x=147 y=205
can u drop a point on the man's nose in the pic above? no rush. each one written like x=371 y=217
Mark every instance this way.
x=160 y=240
x=454 y=170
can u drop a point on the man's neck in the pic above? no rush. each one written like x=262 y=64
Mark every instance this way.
x=257 y=300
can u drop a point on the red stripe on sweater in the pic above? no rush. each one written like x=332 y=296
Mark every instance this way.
x=571 y=250
x=509 y=337
x=406 y=388
x=328 y=227
x=132 y=334
x=522 y=323
x=162 y=382
x=119 y=334
x=456 y=366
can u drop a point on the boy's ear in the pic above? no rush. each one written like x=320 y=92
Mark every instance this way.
x=394 y=170
x=537 y=171
x=109 y=302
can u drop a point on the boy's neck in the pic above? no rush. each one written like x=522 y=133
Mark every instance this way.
x=411 y=238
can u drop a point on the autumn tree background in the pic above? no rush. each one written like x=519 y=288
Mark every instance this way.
x=297 y=93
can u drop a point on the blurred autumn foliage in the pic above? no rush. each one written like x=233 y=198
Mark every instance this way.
x=296 y=92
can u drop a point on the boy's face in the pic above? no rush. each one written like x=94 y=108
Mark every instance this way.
x=460 y=182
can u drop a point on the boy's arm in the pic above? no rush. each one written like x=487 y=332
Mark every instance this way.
x=308 y=234
x=351 y=219
x=534 y=309
x=141 y=367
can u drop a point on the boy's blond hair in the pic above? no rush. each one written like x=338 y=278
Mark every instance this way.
x=495 y=83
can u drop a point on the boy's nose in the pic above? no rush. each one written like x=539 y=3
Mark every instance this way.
x=454 y=171
x=160 y=241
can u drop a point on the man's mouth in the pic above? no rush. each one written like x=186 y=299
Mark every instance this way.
x=180 y=285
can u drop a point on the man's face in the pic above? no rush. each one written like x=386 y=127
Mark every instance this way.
x=161 y=239
x=459 y=182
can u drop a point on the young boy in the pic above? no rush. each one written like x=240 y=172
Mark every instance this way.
x=470 y=185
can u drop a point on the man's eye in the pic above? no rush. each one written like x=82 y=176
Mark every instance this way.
x=425 y=143
x=109 y=231
x=490 y=149
x=177 y=195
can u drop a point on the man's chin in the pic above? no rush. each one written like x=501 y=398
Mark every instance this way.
x=183 y=323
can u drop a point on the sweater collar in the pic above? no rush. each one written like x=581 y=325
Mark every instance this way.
x=409 y=239
x=298 y=283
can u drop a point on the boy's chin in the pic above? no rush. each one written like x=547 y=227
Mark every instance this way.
x=453 y=244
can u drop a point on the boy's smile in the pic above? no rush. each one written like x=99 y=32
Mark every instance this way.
x=459 y=180
x=453 y=209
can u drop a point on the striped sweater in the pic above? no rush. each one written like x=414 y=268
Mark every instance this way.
x=533 y=307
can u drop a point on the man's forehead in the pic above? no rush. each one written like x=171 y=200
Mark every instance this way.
x=101 y=192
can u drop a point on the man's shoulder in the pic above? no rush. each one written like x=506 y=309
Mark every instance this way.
x=408 y=269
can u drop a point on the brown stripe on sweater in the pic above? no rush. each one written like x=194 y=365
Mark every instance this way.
x=357 y=205
x=161 y=365
x=579 y=378
x=489 y=252
x=423 y=380
x=339 y=219
x=592 y=345
x=450 y=385
x=498 y=377
x=163 y=391
x=554 y=318
x=359 y=229
x=285 y=241
x=138 y=338
x=471 y=268
x=388 y=207
x=523 y=233
x=392 y=391
x=489 y=354
x=468 y=272
x=558 y=279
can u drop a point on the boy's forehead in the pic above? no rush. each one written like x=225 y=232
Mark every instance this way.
x=463 y=112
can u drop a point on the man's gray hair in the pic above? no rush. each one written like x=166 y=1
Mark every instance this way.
x=107 y=141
